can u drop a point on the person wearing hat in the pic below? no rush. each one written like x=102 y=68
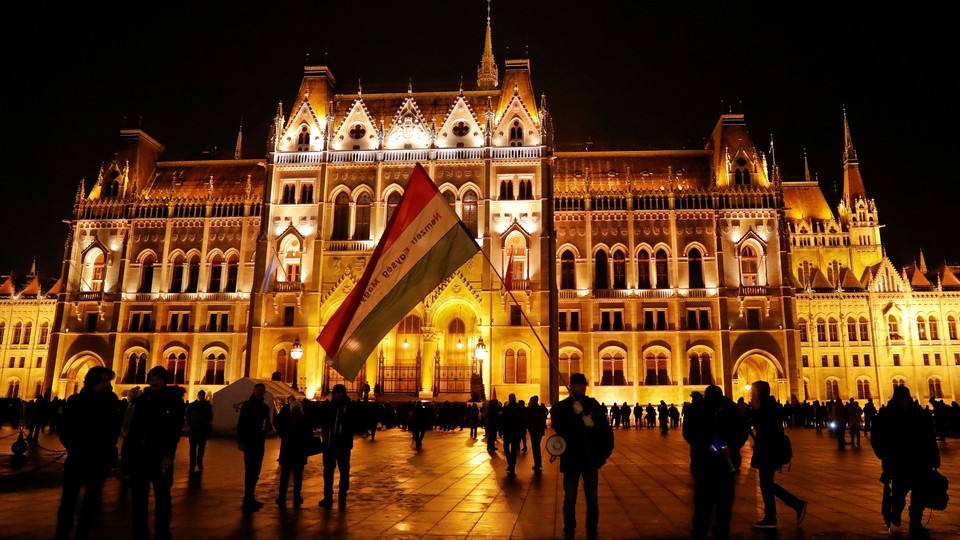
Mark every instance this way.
x=582 y=422
x=338 y=425
x=153 y=437
x=252 y=427
x=200 y=422
x=904 y=440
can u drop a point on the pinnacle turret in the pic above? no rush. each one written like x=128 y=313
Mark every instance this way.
x=487 y=72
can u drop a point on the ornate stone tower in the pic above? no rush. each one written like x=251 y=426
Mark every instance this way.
x=487 y=72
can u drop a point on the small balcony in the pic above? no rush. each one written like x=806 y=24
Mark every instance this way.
x=288 y=286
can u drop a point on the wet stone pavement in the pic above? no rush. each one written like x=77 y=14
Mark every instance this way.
x=452 y=488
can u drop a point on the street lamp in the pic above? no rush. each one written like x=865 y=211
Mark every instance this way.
x=481 y=350
x=296 y=352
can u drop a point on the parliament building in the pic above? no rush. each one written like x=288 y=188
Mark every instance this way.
x=660 y=271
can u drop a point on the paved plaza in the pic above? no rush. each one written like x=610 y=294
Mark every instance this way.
x=453 y=488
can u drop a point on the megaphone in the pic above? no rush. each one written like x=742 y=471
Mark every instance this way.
x=556 y=446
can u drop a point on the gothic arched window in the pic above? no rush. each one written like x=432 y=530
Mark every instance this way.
x=643 y=269
x=663 y=279
x=601 y=278
x=341 y=217
x=695 y=269
x=568 y=271
x=470 y=211
x=361 y=231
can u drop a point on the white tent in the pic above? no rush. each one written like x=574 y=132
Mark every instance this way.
x=227 y=402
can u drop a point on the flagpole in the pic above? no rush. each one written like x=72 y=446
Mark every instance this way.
x=536 y=334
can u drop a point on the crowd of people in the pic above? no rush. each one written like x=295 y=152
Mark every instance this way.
x=150 y=424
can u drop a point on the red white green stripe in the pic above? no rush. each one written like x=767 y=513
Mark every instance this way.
x=424 y=243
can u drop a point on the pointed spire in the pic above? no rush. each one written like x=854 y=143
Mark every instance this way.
x=33 y=268
x=849 y=152
x=410 y=85
x=922 y=265
x=359 y=87
x=806 y=167
x=237 y=151
x=81 y=190
x=773 y=159
x=487 y=72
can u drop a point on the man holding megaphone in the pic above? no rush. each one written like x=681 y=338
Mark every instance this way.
x=582 y=423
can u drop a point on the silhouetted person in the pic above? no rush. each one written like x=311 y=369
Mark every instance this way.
x=651 y=416
x=419 y=423
x=838 y=415
x=615 y=415
x=637 y=416
x=767 y=419
x=536 y=421
x=904 y=440
x=473 y=419
x=674 y=415
x=295 y=434
x=854 y=420
x=513 y=427
x=252 y=428
x=663 y=415
x=37 y=416
x=88 y=431
x=338 y=424
x=869 y=415
x=200 y=421
x=154 y=434
x=582 y=423
x=712 y=427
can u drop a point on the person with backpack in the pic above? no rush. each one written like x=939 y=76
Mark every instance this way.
x=904 y=441
x=582 y=422
x=771 y=451
x=713 y=428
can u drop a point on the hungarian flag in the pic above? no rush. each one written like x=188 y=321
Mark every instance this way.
x=424 y=243
x=508 y=273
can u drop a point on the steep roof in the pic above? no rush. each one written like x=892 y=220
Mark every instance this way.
x=805 y=200
x=820 y=282
x=192 y=179
x=434 y=106
x=849 y=282
x=643 y=170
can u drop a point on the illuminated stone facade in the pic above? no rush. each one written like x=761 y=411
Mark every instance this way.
x=675 y=268
x=27 y=311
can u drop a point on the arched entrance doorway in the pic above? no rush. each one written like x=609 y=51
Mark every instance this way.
x=756 y=366
x=71 y=379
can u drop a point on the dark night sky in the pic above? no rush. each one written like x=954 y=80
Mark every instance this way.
x=629 y=74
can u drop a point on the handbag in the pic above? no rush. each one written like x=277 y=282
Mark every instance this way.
x=934 y=490
x=314 y=446
x=784 y=451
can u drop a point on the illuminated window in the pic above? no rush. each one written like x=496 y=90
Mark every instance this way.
x=176 y=279
x=601 y=278
x=934 y=328
x=864 y=327
x=568 y=271
x=306 y=193
x=643 y=269
x=834 y=329
x=611 y=369
x=392 y=201
x=289 y=193
x=863 y=389
x=516 y=134
x=749 y=267
x=3 y=329
x=695 y=269
x=177 y=368
x=341 y=217
x=216 y=364
x=193 y=275
x=17 y=333
x=893 y=327
x=657 y=371
x=361 y=230
x=470 y=211
x=833 y=389
x=952 y=327
x=921 y=328
x=821 y=330
x=569 y=364
x=619 y=270
x=933 y=386
x=216 y=274
x=233 y=269
x=146 y=274
x=851 y=329
x=136 y=372
x=663 y=279
x=515 y=367
x=700 y=371
x=303 y=139
x=27 y=330
x=802 y=327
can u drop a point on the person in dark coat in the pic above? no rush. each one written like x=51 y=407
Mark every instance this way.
x=869 y=415
x=637 y=416
x=582 y=422
x=536 y=424
x=295 y=435
x=420 y=422
x=338 y=424
x=492 y=425
x=904 y=440
x=767 y=420
x=713 y=429
x=200 y=423
x=252 y=428
x=154 y=434
x=663 y=415
x=513 y=425
x=473 y=419
x=89 y=431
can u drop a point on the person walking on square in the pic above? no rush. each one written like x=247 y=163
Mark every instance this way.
x=536 y=423
x=582 y=423
x=492 y=424
x=512 y=424
x=154 y=435
x=200 y=422
x=523 y=416
x=419 y=423
x=838 y=415
x=768 y=455
x=713 y=429
x=88 y=431
x=295 y=435
x=252 y=428
x=854 y=419
x=904 y=441
x=338 y=425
